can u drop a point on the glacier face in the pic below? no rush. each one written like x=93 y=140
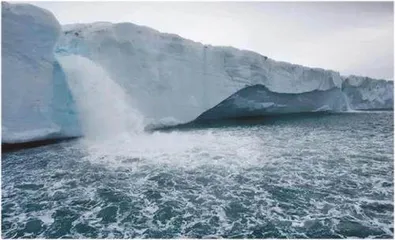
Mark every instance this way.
x=174 y=78
x=170 y=77
x=31 y=79
x=167 y=79
x=364 y=93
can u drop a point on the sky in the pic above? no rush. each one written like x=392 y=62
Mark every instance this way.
x=349 y=37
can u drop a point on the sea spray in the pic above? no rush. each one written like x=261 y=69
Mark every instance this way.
x=105 y=111
x=348 y=107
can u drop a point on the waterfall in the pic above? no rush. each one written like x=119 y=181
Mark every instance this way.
x=347 y=102
x=103 y=107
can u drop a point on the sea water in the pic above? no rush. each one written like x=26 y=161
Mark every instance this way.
x=318 y=176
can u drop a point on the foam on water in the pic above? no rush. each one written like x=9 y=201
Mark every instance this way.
x=318 y=177
x=179 y=148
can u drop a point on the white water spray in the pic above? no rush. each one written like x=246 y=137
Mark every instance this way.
x=347 y=103
x=349 y=109
x=104 y=108
x=114 y=133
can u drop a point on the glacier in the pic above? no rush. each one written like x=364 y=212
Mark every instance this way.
x=170 y=77
x=365 y=93
x=29 y=35
x=36 y=101
x=164 y=79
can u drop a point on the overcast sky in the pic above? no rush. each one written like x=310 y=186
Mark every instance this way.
x=353 y=38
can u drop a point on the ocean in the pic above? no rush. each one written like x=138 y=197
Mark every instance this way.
x=301 y=176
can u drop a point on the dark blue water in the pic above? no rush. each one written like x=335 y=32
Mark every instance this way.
x=328 y=176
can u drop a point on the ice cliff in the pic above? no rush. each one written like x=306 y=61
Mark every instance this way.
x=31 y=78
x=170 y=77
x=365 y=93
x=166 y=78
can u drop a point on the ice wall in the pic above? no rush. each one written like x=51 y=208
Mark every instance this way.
x=174 y=78
x=29 y=35
x=365 y=93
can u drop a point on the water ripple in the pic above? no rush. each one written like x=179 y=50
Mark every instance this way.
x=330 y=177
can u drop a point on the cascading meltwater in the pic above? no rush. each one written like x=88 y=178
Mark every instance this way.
x=104 y=109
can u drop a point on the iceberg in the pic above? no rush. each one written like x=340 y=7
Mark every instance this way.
x=164 y=79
